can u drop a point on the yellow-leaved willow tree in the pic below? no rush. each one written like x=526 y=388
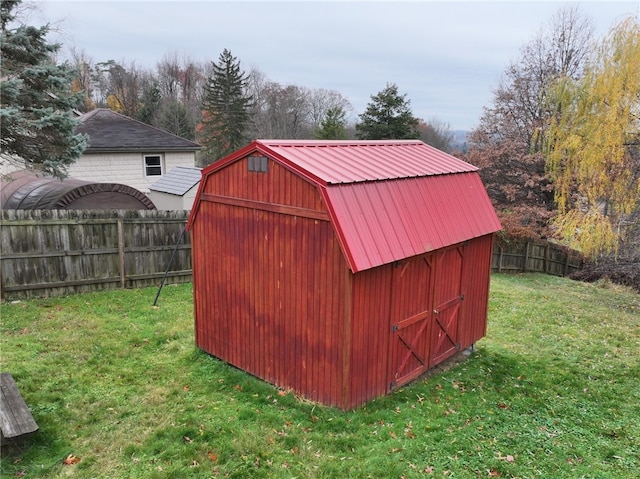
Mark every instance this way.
x=593 y=144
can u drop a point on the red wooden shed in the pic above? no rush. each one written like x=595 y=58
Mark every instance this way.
x=340 y=269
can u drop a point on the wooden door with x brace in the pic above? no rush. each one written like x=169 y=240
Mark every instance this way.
x=424 y=313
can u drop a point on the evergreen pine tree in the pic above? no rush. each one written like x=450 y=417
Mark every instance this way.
x=226 y=116
x=387 y=117
x=172 y=117
x=151 y=103
x=36 y=103
x=333 y=126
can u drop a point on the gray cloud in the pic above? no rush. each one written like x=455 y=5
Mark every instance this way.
x=447 y=56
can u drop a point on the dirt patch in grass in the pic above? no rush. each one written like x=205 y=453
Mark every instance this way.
x=624 y=272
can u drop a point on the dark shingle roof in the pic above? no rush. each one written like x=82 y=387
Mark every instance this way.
x=178 y=181
x=111 y=131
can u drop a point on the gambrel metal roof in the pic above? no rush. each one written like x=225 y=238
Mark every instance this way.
x=336 y=162
x=387 y=200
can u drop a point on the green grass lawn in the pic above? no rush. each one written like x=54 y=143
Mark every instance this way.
x=120 y=391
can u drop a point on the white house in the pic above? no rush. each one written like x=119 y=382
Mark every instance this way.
x=127 y=151
x=177 y=189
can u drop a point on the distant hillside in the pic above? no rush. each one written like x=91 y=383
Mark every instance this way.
x=460 y=139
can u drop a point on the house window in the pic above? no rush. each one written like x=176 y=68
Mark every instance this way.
x=258 y=163
x=152 y=165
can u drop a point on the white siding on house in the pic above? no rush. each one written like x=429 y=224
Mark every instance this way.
x=125 y=168
x=190 y=197
x=167 y=201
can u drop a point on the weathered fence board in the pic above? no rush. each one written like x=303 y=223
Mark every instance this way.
x=523 y=256
x=46 y=253
x=59 y=252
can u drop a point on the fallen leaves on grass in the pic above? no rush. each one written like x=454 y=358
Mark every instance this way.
x=70 y=460
x=508 y=458
x=408 y=431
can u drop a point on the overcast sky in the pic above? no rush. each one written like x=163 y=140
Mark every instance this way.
x=446 y=56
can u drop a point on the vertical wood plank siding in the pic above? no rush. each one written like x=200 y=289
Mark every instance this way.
x=371 y=330
x=514 y=255
x=274 y=294
x=61 y=252
x=266 y=283
x=476 y=277
x=277 y=186
x=384 y=295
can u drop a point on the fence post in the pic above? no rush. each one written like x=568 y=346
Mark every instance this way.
x=123 y=273
x=526 y=257
x=546 y=258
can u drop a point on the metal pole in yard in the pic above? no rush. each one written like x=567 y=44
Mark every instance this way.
x=173 y=254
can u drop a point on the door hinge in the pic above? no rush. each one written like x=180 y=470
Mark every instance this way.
x=392 y=385
x=462 y=297
x=394 y=328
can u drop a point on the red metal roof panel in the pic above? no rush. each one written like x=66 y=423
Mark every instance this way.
x=386 y=221
x=354 y=161
x=388 y=200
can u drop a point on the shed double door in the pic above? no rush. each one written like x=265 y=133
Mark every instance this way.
x=425 y=309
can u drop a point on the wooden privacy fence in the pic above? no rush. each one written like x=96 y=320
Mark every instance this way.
x=59 y=252
x=527 y=256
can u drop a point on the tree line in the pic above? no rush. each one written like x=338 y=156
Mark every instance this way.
x=221 y=106
x=557 y=148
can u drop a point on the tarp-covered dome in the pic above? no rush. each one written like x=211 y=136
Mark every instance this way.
x=25 y=190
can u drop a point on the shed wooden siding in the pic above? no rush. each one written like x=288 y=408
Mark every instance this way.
x=278 y=319
x=370 y=334
x=377 y=297
x=340 y=291
x=279 y=186
x=476 y=276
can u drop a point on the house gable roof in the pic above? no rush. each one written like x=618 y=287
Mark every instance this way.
x=387 y=200
x=178 y=181
x=111 y=131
